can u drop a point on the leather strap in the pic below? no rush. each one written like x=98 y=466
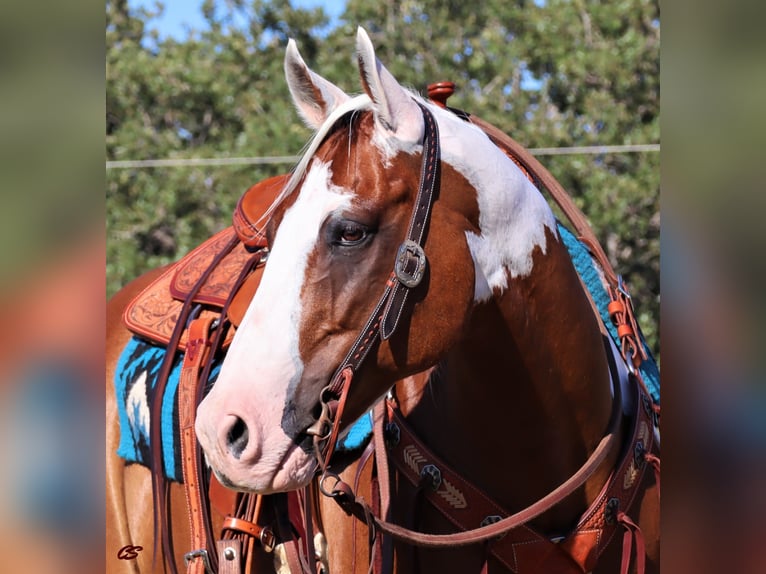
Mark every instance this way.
x=160 y=485
x=411 y=260
x=409 y=269
x=385 y=547
x=229 y=556
x=600 y=522
x=413 y=459
x=464 y=505
x=196 y=353
x=343 y=495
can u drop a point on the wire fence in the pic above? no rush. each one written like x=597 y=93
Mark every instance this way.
x=290 y=159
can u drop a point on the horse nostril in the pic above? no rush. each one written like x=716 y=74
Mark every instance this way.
x=236 y=438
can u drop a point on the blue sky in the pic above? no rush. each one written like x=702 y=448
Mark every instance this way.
x=179 y=15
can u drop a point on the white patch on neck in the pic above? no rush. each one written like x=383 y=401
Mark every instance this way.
x=513 y=214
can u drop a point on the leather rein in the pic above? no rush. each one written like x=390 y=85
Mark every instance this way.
x=408 y=271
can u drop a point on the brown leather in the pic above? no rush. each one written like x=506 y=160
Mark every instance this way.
x=154 y=312
x=160 y=485
x=241 y=525
x=248 y=215
x=344 y=496
x=384 y=319
x=521 y=549
x=600 y=523
x=196 y=353
x=229 y=556
x=217 y=288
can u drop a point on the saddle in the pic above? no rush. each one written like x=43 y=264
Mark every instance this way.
x=194 y=308
x=218 y=261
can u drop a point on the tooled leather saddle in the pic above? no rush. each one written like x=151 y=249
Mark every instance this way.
x=193 y=309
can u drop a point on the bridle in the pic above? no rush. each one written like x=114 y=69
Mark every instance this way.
x=409 y=269
x=408 y=272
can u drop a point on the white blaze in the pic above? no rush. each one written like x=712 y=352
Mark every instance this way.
x=264 y=355
x=266 y=342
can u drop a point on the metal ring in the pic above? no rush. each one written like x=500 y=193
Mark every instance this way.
x=333 y=493
x=268 y=540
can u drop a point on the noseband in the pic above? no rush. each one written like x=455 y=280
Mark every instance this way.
x=409 y=269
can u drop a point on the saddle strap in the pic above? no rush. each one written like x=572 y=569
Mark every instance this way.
x=385 y=556
x=198 y=559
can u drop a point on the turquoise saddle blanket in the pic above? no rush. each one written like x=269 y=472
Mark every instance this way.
x=135 y=379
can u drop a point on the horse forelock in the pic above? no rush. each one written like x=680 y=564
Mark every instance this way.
x=355 y=104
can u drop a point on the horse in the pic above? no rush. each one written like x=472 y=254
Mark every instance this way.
x=414 y=268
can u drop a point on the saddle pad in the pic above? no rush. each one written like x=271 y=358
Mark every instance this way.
x=135 y=379
x=591 y=276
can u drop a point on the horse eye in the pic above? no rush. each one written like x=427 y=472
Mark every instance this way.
x=349 y=233
x=352 y=233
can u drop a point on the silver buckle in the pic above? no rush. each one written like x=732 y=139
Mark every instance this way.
x=407 y=251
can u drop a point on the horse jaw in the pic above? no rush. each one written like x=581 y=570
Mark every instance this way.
x=315 y=97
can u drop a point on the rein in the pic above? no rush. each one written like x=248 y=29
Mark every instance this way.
x=408 y=272
x=409 y=269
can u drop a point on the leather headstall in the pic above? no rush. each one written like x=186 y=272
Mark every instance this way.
x=409 y=269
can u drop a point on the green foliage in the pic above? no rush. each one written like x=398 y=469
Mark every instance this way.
x=550 y=73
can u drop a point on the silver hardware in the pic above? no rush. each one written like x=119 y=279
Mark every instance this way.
x=491 y=519
x=622 y=288
x=268 y=540
x=432 y=475
x=201 y=553
x=407 y=251
x=392 y=434
x=610 y=512
x=229 y=553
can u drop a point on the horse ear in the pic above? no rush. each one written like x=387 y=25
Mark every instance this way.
x=394 y=107
x=315 y=98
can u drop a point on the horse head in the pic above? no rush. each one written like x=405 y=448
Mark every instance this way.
x=335 y=235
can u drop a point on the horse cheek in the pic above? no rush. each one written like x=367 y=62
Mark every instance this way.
x=439 y=319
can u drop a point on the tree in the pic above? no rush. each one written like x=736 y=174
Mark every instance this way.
x=551 y=73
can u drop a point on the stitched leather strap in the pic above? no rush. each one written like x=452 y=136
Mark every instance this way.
x=409 y=269
x=467 y=507
x=361 y=509
x=384 y=482
x=196 y=352
x=160 y=485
